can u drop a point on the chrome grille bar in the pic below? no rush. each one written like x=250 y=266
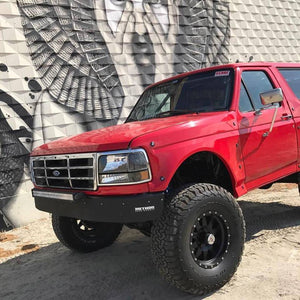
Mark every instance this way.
x=69 y=174
x=58 y=168
x=45 y=171
x=67 y=178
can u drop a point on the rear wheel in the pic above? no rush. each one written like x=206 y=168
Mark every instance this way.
x=84 y=236
x=198 y=242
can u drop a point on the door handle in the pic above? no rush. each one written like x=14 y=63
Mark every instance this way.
x=286 y=117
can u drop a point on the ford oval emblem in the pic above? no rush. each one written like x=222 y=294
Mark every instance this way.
x=56 y=173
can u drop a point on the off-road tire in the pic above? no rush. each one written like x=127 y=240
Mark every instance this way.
x=191 y=214
x=84 y=236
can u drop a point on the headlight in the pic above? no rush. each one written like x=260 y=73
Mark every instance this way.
x=124 y=167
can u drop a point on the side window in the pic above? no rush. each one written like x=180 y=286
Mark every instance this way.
x=245 y=104
x=292 y=77
x=256 y=82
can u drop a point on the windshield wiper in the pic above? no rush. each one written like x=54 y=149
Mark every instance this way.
x=174 y=113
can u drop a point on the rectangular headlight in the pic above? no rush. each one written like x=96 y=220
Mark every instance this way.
x=114 y=163
x=124 y=167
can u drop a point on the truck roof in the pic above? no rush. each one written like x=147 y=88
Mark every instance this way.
x=232 y=65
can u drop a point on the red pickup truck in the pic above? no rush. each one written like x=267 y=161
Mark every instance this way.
x=189 y=146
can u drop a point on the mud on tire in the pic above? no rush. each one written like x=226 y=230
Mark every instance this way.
x=198 y=242
x=85 y=236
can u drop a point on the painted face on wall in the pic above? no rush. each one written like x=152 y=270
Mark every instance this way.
x=115 y=8
x=141 y=34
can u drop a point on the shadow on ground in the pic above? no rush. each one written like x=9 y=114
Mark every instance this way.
x=268 y=216
x=123 y=271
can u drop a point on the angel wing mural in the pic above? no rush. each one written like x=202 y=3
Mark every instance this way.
x=71 y=56
x=204 y=33
x=82 y=48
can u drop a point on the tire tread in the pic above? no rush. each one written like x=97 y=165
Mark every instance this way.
x=164 y=252
x=67 y=238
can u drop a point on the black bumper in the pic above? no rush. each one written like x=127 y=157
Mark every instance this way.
x=114 y=209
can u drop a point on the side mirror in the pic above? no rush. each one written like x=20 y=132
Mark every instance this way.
x=271 y=97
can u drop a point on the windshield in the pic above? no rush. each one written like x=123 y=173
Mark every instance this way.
x=202 y=92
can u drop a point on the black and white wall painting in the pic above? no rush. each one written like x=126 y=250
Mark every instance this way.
x=87 y=62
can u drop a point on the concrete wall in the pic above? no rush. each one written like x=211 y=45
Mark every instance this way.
x=267 y=30
x=68 y=66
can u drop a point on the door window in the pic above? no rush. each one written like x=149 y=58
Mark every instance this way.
x=253 y=83
x=245 y=103
x=292 y=77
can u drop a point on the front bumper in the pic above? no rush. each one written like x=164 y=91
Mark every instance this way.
x=114 y=209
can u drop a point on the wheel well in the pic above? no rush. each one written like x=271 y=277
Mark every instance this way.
x=203 y=167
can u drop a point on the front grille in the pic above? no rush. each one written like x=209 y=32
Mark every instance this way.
x=76 y=171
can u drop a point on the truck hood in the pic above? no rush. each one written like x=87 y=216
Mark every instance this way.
x=106 y=139
x=119 y=137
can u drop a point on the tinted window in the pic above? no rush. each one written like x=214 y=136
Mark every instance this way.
x=256 y=82
x=202 y=92
x=245 y=102
x=206 y=92
x=292 y=77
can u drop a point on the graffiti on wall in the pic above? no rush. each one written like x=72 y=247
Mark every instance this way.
x=95 y=57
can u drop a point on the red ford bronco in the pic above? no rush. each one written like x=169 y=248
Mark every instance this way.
x=189 y=146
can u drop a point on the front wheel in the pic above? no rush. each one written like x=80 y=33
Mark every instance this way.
x=198 y=242
x=84 y=236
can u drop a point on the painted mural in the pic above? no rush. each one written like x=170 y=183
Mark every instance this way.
x=90 y=53
x=91 y=59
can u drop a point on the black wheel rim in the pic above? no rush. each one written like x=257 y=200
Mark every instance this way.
x=209 y=239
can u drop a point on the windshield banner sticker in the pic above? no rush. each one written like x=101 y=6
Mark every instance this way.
x=222 y=73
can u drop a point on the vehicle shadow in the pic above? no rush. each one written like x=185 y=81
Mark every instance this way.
x=122 y=271
x=268 y=216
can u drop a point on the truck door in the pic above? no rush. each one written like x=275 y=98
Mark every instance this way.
x=291 y=84
x=266 y=157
